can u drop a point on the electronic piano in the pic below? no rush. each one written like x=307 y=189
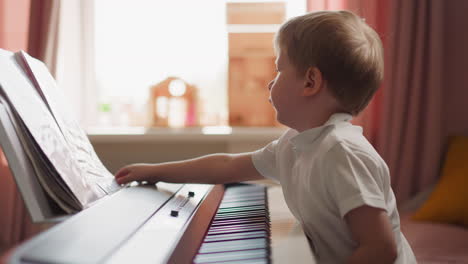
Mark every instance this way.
x=176 y=223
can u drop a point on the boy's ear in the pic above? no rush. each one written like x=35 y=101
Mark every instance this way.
x=313 y=82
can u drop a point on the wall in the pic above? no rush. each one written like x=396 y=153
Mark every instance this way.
x=119 y=151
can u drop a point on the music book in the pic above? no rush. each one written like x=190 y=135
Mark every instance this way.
x=59 y=152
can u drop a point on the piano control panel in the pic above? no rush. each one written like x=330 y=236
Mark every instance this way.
x=161 y=232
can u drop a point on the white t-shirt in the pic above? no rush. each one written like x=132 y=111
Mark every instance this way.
x=325 y=172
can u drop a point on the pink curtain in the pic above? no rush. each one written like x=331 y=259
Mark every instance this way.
x=410 y=133
x=15 y=223
x=43 y=32
x=375 y=14
x=24 y=25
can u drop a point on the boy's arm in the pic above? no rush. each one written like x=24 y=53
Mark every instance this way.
x=371 y=229
x=212 y=169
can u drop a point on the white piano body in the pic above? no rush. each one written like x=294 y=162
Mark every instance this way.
x=137 y=225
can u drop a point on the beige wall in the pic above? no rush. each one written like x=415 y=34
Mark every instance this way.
x=117 y=154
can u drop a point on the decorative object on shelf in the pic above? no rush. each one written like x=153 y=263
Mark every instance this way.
x=251 y=29
x=172 y=103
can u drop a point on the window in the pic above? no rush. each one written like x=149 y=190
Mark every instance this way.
x=141 y=43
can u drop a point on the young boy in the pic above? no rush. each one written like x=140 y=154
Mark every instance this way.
x=329 y=65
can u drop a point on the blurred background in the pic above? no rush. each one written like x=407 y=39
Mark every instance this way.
x=154 y=81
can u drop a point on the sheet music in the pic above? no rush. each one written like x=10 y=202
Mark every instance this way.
x=76 y=138
x=25 y=100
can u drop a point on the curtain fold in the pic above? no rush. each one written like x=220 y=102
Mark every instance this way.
x=43 y=32
x=15 y=223
x=375 y=14
x=410 y=132
x=31 y=26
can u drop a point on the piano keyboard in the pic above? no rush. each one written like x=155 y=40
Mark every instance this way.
x=214 y=224
x=240 y=229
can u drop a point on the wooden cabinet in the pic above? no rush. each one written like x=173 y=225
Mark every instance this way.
x=251 y=30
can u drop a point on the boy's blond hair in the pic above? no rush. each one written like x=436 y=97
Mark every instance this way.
x=343 y=47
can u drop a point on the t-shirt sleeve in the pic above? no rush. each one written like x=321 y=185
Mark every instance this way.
x=264 y=160
x=353 y=180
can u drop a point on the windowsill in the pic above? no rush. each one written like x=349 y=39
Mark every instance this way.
x=197 y=134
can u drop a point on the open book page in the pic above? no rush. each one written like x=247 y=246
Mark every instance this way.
x=94 y=171
x=23 y=99
x=46 y=174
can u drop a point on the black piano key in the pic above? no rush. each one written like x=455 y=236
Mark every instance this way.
x=235 y=217
x=234 y=245
x=242 y=203
x=246 y=212
x=248 y=197
x=231 y=256
x=238 y=215
x=241 y=208
x=244 y=261
x=239 y=221
x=260 y=199
x=236 y=226
x=237 y=230
x=235 y=236
x=245 y=197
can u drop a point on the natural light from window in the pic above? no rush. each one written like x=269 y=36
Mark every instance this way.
x=140 y=43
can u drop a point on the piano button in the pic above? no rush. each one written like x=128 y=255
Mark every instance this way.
x=174 y=213
x=191 y=194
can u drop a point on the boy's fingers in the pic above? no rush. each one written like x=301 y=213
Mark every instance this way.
x=122 y=172
x=125 y=179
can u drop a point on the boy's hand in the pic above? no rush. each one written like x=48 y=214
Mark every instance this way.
x=137 y=172
x=211 y=169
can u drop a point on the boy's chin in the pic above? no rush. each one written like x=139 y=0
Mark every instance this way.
x=282 y=120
